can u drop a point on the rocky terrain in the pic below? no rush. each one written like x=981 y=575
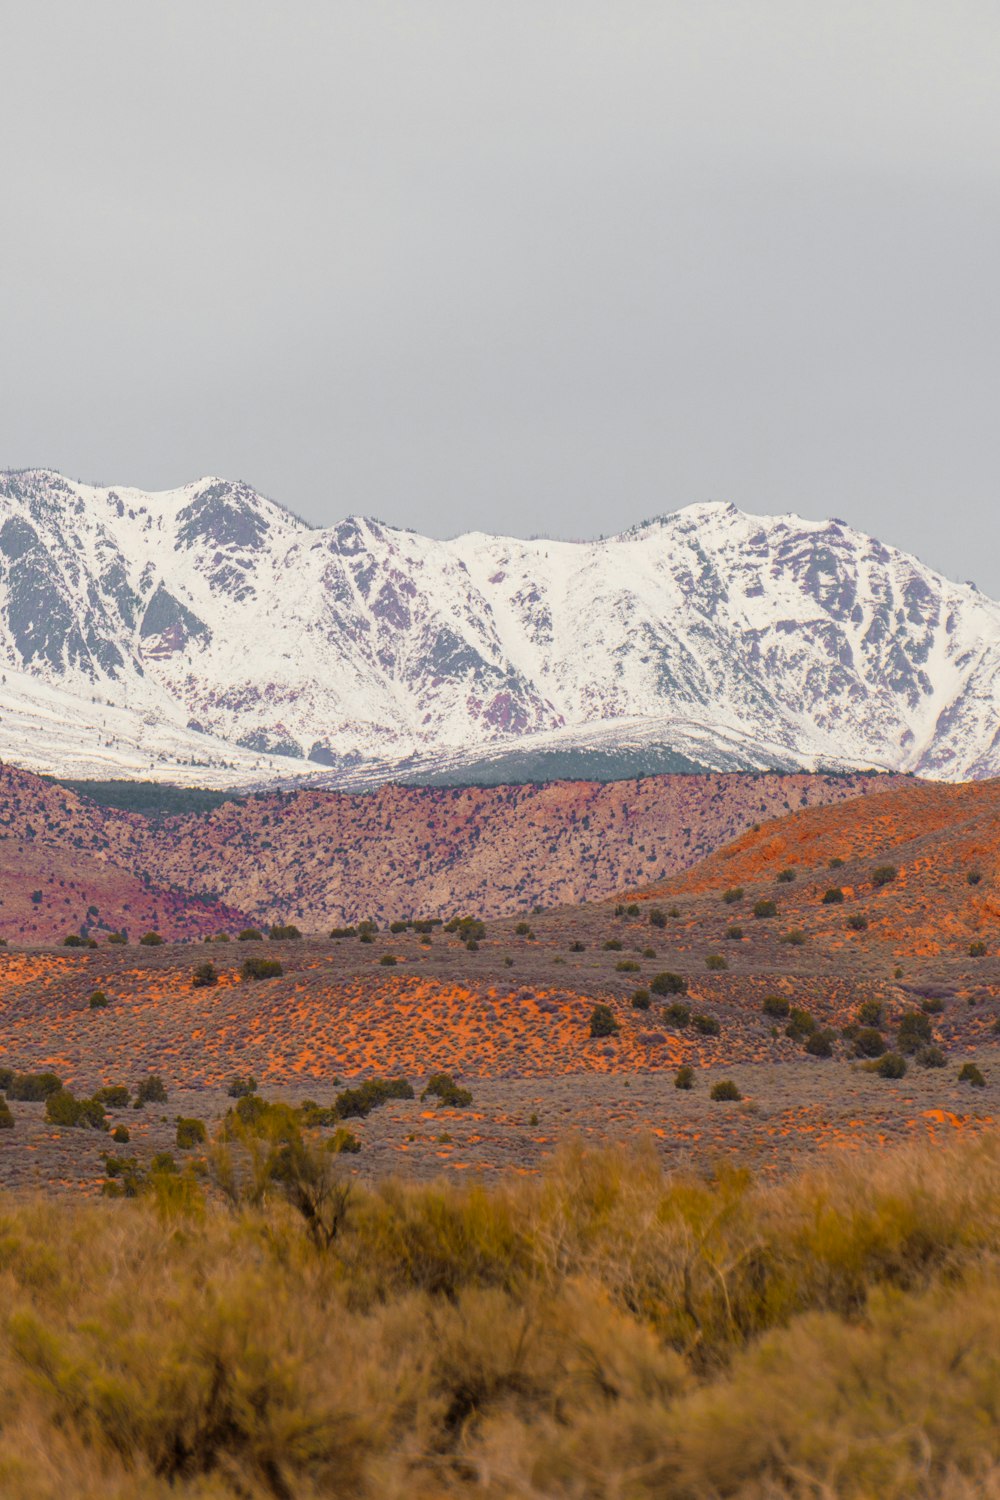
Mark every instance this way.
x=321 y=859
x=208 y=635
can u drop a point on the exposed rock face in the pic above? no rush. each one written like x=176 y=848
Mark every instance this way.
x=733 y=639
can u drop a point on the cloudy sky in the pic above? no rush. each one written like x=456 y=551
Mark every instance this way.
x=551 y=266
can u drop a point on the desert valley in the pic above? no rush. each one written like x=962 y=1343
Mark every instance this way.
x=415 y=933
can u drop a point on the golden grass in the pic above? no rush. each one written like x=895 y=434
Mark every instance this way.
x=605 y=1332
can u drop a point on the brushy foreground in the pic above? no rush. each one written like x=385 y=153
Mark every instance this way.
x=605 y=1332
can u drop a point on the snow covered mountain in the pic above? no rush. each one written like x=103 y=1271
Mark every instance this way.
x=206 y=634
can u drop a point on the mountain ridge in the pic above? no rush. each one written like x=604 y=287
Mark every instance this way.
x=318 y=858
x=218 y=633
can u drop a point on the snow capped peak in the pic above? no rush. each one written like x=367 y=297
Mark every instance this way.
x=209 y=616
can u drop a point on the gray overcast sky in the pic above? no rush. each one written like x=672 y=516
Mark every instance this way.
x=519 y=266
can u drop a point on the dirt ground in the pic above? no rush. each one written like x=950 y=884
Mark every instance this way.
x=510 y=1020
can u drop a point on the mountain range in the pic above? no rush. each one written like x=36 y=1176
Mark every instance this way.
x=206 y=634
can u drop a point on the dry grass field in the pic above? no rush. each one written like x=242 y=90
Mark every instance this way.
x=602 y=1331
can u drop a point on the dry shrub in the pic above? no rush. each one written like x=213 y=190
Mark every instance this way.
x=604 y=1331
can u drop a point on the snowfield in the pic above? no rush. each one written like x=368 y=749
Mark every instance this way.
x=206 y=635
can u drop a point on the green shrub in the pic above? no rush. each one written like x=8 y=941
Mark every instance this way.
x=73 y=940
x=684 y=1077
x=657 y=917
x=775 y=1005
x=251 y=935
x=389 y=960
x=868 y=1042
x=649 y=953
x=62 y=1108
x=785 y=877
x=627 y=966
x=152 y=1090
x=833 y=896
x=113 y=1096
x=857 y=921
x=734 y=933
x=117 y=937
x=341 y=932
x=602 y=1021
x=677 y=1014
x=358 y=1102
x=800 y=1024
x=190 y=1133
x=933 y=1005
x=883 y=875
x=836 y=863
x=891 y=1065
x=977 y=950
x=523 y=929
x=466 y=927
x=913 y=1031
x=871 y=1013
x=444 y=1087
x=98 y=1000
x=706 y=1025
x=640 y=999
x=241 y=1085
x=820 y=1044
x=765 y=908
x=931 y=1057
x=284 y=932
x=668 y=984
x=734 y=894
x=794 y=937
x=251 y=1110
x=151 y=940
x=261 y=968
x=6 y=1118
x=974 y=877
x=127 y=1170
x=613 y=945
x=725 y=1089
x=969 y=1073
x=204 y=977
x=716 y=961
x=121 y=1135
x=33 y=1088
x=576 y=946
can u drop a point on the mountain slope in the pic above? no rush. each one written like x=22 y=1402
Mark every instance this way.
x=938 y=848
x=58 y=874
x=324 y=858
x=209 y=626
